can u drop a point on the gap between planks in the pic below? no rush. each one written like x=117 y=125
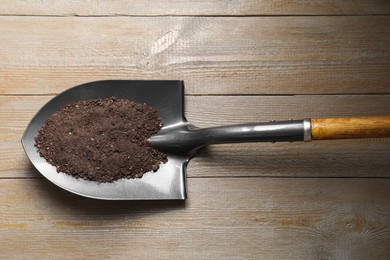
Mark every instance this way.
x=225 y=95
x=189 y=15
x=235 y=177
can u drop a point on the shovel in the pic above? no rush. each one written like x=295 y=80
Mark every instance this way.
x=179 y=139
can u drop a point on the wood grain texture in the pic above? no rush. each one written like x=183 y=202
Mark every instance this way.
x=242 y=61
x=214 y=55
x=356 y=158
x=248 y=218
x=350 y=127
x=200 y=7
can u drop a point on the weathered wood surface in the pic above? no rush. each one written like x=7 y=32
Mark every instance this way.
x=214 y=55
x=242 y=61
x=256 y=218
x=203 y=7
x=342 y=158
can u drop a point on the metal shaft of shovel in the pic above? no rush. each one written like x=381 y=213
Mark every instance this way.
x=186 y=140
x=189 y=139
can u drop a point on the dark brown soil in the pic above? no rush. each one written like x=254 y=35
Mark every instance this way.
x=101 y=140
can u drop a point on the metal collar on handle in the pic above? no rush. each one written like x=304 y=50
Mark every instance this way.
x=307 y=130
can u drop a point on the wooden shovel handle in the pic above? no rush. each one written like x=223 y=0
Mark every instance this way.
x=350 y=127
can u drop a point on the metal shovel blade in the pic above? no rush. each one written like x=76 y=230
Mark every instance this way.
x=167 y=97
x=178 y=139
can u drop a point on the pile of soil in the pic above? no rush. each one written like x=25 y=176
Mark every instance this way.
x=101 y=140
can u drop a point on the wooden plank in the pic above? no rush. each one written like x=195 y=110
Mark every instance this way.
x=15 y=114
x=337 y=158
x=248 y=218
x=203 y=7
x=207 y=111
x=348 y=158
x=214 y=55
x=363 y=158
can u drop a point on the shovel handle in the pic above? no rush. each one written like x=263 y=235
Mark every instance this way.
x=186 y=139
x=350 y=127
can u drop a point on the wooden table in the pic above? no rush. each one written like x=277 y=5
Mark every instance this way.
x=242 y=61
